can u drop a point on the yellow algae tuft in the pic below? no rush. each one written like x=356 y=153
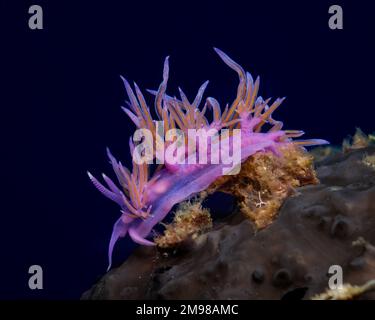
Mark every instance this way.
x=190 y=220
x=266 y=179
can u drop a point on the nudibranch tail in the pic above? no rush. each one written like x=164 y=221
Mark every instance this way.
x=119 y=230
x=145 y=198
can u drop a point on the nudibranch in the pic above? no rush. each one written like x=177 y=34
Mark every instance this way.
x=146 y=198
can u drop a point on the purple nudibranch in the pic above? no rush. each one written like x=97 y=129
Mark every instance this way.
x=146 y=199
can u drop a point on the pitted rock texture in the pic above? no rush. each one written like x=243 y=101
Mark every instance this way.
x=289 y=259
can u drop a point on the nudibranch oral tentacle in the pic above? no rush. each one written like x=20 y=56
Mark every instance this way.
x=146 y=199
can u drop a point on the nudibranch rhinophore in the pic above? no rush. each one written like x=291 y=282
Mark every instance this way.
x=145 y=198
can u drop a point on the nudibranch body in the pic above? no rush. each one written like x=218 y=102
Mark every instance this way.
x=146 y=199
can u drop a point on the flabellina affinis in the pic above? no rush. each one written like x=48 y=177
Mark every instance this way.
x=145 y=199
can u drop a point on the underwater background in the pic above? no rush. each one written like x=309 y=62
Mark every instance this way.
x=61 y=96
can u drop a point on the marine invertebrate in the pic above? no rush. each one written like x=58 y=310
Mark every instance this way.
x=146 y=199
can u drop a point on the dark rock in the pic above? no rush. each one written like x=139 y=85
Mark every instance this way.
x=258 y=275
x=289 y=259
x=295 y=294
x=282 y=278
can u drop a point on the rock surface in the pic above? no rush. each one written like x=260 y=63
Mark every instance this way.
x=289 y=259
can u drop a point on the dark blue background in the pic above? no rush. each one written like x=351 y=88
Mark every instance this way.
x=61 y=96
